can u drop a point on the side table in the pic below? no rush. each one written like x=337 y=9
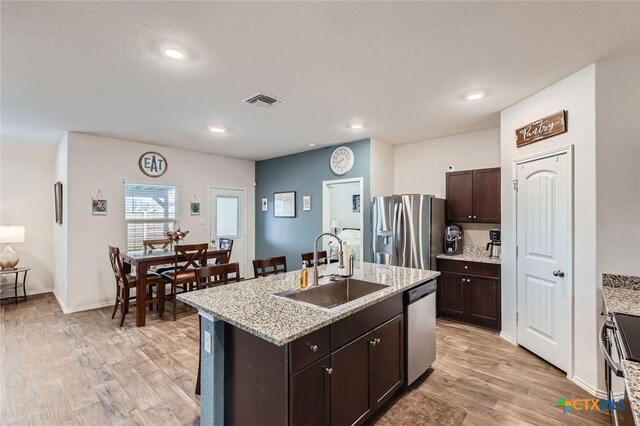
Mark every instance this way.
x=15 y=284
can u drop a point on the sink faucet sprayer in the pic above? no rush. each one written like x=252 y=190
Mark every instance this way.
x=315 y=256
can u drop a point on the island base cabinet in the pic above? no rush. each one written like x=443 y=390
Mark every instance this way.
x=351 y=383
x=309 y=395
x=387 y=362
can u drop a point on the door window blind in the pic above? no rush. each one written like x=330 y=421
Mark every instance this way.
x=150 y=211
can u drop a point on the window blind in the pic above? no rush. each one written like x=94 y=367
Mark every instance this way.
x=150 y=211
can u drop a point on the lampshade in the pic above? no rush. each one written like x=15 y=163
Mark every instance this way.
x=11 y=234
x=335 y=224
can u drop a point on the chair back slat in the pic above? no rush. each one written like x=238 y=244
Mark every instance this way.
x=308 y=257
x=220 y=257
x=163 y=243
x=190 y=256
x=116 y=265
x=215 y=275
x=271 y=266
x=225 y=243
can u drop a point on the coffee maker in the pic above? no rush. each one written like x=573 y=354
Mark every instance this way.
x=453 y=243
x=494 y=246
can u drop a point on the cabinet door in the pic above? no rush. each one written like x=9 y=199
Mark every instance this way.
x=309 y=400
x=486 y=195
x=482 y=297
x=459 y=197
x=388 y=360
x=451 y=295
x=351 y=401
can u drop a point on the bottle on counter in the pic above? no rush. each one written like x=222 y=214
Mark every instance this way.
x=304 y=276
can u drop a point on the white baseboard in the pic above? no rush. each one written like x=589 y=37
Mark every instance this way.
x=30 y=292
x=87 y=307
x=508 y=338
x=592 y=391
x=55 y=294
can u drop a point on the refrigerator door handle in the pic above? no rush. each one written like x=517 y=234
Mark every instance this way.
x=398 y=230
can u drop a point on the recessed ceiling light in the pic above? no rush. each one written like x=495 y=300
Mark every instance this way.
x=173 y=54
x=216 y=129
x=474 y=96
x=357 y=125
x=313 y=144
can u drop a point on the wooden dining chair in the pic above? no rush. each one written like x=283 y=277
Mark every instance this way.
x=213 y=276
x=220 y=257
x=188 y=258
x=157 y=244
x=308 y=257
x=126 y=282
x=270 y=266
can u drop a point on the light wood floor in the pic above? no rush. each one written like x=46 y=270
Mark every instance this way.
x=83 y=369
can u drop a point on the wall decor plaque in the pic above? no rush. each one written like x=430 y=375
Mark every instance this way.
x=546 y=127
x=152 y=164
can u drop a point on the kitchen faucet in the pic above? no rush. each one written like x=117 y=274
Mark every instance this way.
x=315 y=256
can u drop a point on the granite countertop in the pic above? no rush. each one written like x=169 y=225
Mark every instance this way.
x=471 y=254
x=252 y=306
x=622 y=295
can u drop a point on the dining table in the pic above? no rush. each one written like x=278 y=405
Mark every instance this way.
x=143 y=259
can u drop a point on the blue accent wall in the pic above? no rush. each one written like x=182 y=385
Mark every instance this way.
x=304 y=173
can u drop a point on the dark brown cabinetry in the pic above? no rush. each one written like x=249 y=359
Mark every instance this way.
x=338 y=375
x=470 y=292
x=473 y=196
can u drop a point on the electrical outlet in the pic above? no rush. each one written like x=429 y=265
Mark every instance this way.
x=207 y=342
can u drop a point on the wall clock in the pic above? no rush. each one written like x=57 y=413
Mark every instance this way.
x=342 y=160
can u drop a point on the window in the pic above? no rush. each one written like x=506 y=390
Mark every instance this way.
x=149 y=212
x=227 y=216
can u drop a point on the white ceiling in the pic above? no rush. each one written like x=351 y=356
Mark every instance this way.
x=403 y=68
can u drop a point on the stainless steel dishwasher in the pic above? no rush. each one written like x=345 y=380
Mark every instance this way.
x=420 y=331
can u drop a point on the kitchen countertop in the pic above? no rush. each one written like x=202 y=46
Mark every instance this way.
x=622 y=294
x=471 y=254
x=252 y=306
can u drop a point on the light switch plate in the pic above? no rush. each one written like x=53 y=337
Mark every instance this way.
x=207 y=342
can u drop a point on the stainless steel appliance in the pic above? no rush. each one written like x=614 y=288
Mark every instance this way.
x=494 y=246
x=453 y=240
x=494 y=234
x=407 y=230
x=619 y=339
x=420 y=329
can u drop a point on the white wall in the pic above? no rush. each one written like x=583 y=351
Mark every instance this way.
x=26 y=198
x=96 y=163
x=576 y=94
x=341 y=204
x=382 y=167
x=420 y=168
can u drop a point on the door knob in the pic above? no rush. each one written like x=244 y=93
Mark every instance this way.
x=558 y=273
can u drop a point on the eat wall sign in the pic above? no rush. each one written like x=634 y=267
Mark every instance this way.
x=546 y=127
x=152 y=164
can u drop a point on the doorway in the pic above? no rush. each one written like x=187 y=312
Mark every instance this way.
x=342 y=205
x=544 y=242
x=228 y=219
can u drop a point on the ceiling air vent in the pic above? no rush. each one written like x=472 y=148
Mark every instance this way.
x=263 y=100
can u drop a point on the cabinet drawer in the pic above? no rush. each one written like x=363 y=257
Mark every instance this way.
x=469 y=268
x=356 y=325
x=308 y=349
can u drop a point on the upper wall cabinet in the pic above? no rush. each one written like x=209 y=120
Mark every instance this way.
x=473 y=196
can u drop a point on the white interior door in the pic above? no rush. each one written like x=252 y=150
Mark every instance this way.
x=228 y=220
x=544 y=274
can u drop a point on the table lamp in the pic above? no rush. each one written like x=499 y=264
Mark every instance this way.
x=10 y=234
x=335 y=225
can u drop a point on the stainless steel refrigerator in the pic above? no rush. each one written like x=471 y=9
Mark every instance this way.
x=408 y=230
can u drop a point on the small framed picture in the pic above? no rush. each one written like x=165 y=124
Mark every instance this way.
x=265 y=204
x=98 y=206
x=355 y=203
x=306 y=203
x=284 y=204
x=194 y=208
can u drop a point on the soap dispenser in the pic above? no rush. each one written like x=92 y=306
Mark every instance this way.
x=304 y=276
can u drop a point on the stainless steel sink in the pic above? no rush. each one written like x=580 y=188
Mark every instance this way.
x=334 y=293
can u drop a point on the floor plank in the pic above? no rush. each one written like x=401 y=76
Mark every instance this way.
x=82 y=369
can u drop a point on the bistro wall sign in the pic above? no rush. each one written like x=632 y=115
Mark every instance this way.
x=546 y=127
x=152 y=164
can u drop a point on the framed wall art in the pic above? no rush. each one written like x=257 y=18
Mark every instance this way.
x=284 y=204
x=306 y=203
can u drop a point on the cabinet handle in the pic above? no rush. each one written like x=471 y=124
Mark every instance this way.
x=377 y=341
x=373 y=342
x=466 y=267
x=329 y=370
x=469 y=217
x=475 y=217
x=314 y=348
x=468 y=280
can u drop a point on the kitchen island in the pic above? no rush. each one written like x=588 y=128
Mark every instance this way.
x=269 y=359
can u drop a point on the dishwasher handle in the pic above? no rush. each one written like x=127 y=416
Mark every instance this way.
x=615 y=368
x=420 y=292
